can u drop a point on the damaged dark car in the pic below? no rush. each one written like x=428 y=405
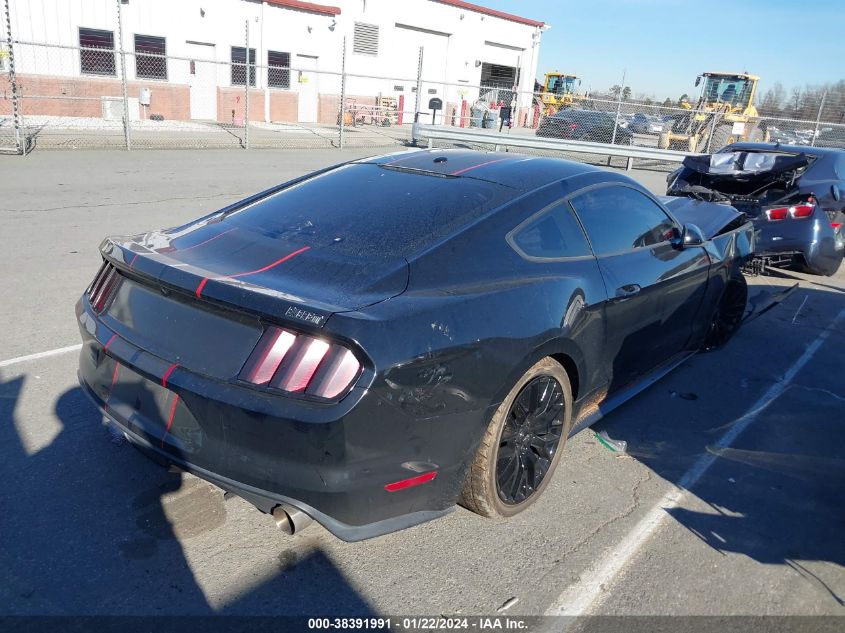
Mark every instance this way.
x=368 y=345
x=794 y=195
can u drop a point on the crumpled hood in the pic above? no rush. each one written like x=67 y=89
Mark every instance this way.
x=710 y=217
x=734 y=164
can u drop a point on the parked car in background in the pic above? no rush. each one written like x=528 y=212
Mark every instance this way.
x=646 y=124
x=786 y=137
x=831 y=137
x=325 y=352
x=794 y=195
x=584 y=125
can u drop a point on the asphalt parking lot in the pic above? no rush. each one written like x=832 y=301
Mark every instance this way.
x=729 y=500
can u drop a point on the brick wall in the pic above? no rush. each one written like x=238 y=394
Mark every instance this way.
x=327 y=106
x=229 y=99
x=284 y=106
x=80 y=96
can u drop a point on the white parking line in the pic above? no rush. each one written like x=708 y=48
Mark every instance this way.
x=594 y=585
x=51 y=352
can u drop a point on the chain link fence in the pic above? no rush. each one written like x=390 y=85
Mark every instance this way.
x=97 y=95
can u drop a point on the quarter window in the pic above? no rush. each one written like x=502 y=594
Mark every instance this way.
x=619 y=219
x=553 y=235
x=96 y=52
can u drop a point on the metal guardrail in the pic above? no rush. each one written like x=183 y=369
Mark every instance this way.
x=431 y=133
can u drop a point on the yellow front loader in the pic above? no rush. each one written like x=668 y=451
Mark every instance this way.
x=725 y=113
x=558 y=91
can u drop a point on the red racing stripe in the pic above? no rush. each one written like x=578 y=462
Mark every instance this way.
x=111 y=387
x=170 y=417
x=471 y=167
x=252 y=272
x=269 y=266
x=167 y=374
x=111 y=340
x=132 y=263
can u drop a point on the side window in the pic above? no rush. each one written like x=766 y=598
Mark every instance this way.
x=619 y=219
x=554 y=234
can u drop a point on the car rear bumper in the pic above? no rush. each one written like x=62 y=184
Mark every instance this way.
x=813 y=240
x=331 y=462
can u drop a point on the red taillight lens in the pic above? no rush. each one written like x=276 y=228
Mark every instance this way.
x=103 y=287
x=303 y=364
x=298 y=363
x=835 y=225
x=777 y=214
x=801 y=210
x=267 y=356
x=797 y=212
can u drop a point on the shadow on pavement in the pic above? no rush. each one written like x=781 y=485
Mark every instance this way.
x=95 y=529
x=775 y=495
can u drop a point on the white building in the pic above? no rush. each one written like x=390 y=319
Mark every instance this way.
x=186 y=53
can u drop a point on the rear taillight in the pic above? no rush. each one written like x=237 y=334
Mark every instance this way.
x=103 y=287
x=798 y=212
x=801 y=210
x=300 y=364
x=835 y=225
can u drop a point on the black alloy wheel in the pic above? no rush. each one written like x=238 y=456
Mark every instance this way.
x=530 y=436
x=523 y=443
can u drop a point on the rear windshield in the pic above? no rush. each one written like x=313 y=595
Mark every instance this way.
x=366 y=210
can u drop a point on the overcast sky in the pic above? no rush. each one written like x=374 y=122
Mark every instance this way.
x=664 y=44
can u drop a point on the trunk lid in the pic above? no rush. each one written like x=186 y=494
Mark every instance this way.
x=221 y=262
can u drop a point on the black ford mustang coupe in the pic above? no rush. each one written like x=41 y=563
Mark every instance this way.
x=368 y=345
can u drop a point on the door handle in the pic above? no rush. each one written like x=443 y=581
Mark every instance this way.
x=628 y=290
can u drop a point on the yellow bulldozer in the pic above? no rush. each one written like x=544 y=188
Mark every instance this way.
x=724 y=113
x=558 y=91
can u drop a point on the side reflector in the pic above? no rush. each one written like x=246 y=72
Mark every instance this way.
x=413 y=481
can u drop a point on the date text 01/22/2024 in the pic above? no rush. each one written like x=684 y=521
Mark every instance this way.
x=479 y=623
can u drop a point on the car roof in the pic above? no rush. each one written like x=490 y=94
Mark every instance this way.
x=519 y=172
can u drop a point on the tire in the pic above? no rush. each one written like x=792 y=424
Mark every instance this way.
x=531 y=449
x=721 y=136
x=729 y=313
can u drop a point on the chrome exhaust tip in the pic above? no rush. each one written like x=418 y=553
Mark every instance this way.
x=291 y=520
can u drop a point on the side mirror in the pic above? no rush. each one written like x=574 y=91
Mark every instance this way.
x=835 y=192
x=690 y=235
x=697 y=81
